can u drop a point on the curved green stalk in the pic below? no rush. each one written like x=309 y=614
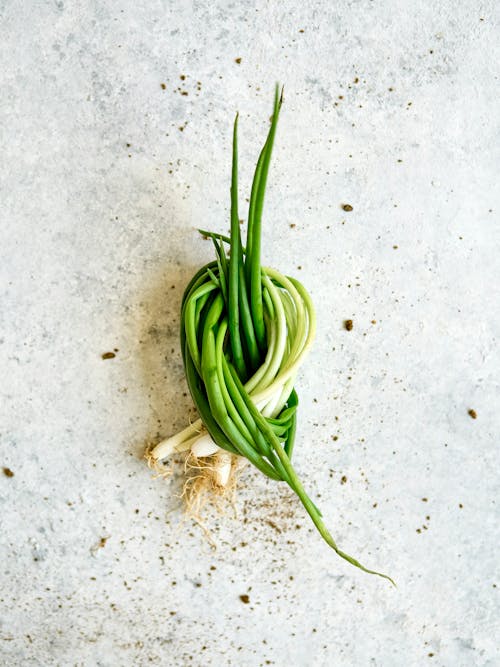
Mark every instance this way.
x=253 y=270
x=295 y=483
x=234 y=264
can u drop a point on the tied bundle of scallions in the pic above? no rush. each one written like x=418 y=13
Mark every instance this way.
x=245 y=330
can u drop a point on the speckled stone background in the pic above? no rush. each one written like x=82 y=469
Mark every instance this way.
x=115 y=140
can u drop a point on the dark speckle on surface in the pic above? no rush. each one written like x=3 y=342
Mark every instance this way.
x=7 y=472
x=108 y=355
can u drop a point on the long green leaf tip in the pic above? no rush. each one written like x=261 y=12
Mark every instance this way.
x=245 y=330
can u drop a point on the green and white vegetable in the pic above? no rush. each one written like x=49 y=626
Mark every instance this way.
x=245 y=331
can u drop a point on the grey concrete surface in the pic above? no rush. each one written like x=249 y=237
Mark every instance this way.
x=115 y=146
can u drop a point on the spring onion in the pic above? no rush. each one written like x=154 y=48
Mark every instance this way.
x=245 y=331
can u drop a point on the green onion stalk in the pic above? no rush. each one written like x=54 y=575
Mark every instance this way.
x=245 y=331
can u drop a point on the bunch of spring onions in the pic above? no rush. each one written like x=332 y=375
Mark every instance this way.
x=245 y=330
